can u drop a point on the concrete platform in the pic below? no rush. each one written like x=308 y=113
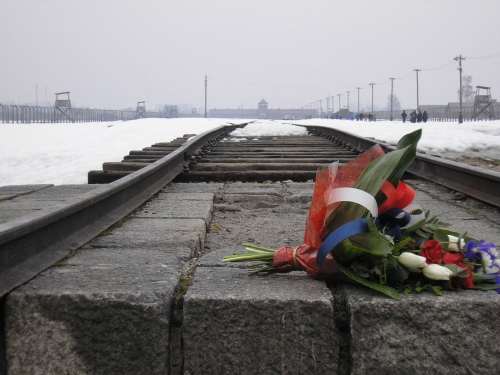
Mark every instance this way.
x=116 y=305
x=236 y=324
x=108 y=309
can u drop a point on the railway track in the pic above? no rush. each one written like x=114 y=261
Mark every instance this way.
x=30 y=244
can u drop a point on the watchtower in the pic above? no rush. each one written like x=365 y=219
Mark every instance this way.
x=173 y=112
x=63 y=106
x=262 y=109
x=483 y=104
x=141 y=110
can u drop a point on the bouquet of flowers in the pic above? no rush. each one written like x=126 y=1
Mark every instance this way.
x=364 y=228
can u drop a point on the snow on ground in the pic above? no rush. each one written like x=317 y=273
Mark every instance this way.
x=474 y=138
x=65 y=153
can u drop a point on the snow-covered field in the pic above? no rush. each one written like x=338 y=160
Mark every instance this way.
x=65 y=153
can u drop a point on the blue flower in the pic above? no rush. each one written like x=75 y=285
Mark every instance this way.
x=484 y=253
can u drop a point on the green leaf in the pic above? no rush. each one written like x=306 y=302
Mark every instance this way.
x=437 y=290
x=397 y=274
x=387 y=290
x=442 y=238
x=371 y=180
x=409 y=143
x=397 y=247
x=476 y=278
x=486 y=286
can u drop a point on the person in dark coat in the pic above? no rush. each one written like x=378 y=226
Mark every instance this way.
x=403 y=116
x=413 y=117
x=370 y=117
x=361 y=116
x=419 y=116
x=424 y=116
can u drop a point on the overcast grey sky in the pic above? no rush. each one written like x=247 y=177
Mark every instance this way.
x=112 y=53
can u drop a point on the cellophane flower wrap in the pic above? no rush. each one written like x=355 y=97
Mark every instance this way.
x=363 y=227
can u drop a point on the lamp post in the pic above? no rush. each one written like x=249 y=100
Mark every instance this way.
x=392 y=82
x=358 y=97
x=417 y=70
x=348 y=101
x=459 y=59
x=371 y=84
x=339 y=103
x=205 y=96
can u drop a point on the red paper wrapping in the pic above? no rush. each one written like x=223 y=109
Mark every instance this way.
x=327 y=179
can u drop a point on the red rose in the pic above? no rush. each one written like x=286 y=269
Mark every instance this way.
x=458 y=259
x=453 y=258
x=432 y=251
x=465 y=282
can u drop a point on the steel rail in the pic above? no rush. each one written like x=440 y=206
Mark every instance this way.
x=478 y=183
x=32 y=243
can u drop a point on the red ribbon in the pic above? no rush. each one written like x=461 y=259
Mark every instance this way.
x=399 y=197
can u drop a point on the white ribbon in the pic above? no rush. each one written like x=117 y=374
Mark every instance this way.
x=414 y=219
x=356 y=196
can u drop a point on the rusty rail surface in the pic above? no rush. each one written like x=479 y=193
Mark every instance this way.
x=478 y=183
x=32 y=243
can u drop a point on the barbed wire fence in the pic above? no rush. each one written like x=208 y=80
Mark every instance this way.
x=35 y=114
x=438 y=113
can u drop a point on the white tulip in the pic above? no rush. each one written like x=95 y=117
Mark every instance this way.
x=411 y=260
x=453 y=245
x=437 y=272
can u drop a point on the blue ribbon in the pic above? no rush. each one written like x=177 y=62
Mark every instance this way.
x=339 y=235
x=392 y=224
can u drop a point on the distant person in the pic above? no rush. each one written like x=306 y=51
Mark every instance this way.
x=357 y=116
x=375 y=117
x=352 y=117
x=413 y=117
x=424 y=116
x=419 y=116
x=370 y=117
x=403 y=116
x=361 y=116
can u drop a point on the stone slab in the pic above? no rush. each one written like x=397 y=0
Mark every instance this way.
x=8 y=215
x=162 y=225
x=164 y=241
x=58 y=193
x=181 y=209
x=172 y=258
x=202 y=187
x=254 y=188
x=236 y=324
x=100 y=314
x=13 y=191
x=423 y=333
x=214 y=258
x=177 y=197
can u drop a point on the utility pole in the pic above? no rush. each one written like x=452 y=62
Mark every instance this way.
x=417 y=70
x=320 y=108
x=327 y=105
x=358 y=97
x=205 y=96
x=348 y=101
x=36 y=89
x=392 y=86
x=459 y=59
x=339 y=102
x=333 y=96
x=371 y=84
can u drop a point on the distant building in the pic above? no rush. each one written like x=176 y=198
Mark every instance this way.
x=263 y=112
